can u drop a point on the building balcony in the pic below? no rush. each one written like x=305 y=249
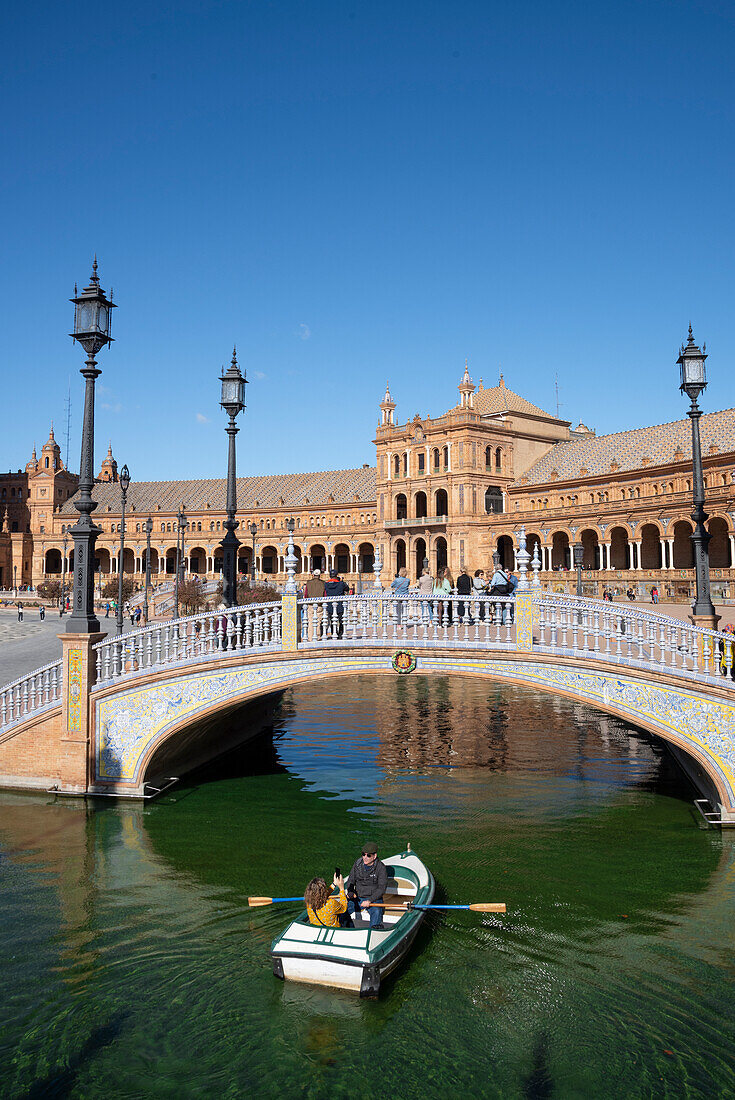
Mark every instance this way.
x=416 y=521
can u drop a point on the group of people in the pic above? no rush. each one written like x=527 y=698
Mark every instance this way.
x=502 y=582
x=362 y=894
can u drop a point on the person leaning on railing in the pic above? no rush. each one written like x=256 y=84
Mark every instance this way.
x=425 y=587
x=399 y=587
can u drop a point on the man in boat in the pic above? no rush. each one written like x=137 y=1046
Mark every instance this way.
x=366 y=883
x=321 y=907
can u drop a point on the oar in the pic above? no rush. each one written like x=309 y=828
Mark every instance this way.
x=252 y=902
x=476 y=906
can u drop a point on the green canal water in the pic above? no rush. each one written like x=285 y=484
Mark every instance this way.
x=132 y=967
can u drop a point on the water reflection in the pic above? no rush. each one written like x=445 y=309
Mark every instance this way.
x=132 y=965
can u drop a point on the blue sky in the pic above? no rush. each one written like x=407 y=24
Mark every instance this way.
x=355 y=192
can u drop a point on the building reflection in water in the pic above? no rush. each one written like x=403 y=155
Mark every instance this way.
x=424 y=722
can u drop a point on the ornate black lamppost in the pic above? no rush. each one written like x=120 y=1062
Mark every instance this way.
x=253 y=529
x=92 y=312
x=233 y=402
x=63 y=577
x=148 y=528
x=124 y=486
x=693 y=382
x=181 y=525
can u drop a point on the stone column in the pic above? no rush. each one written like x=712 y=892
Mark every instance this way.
x=670 y=544
x=732 y=551
x=639 y=556
x=76 y=750
x=605 y=547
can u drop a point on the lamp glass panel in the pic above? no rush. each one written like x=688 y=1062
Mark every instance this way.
x=103 y=319
x=85 y=318
x=694 y=370
x=230 y=391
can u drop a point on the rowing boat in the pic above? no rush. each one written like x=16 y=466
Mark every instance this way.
x=359 y=957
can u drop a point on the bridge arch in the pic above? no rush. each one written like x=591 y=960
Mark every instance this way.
x=173 y=704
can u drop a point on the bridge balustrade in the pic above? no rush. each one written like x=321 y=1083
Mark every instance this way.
x=32 y=694
x=579 y=627
x=206 y=636
x=563 y=626
x=457 y=622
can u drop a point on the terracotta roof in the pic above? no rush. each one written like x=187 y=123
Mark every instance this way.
x=659 y=443
x=497 y=399
x=268 y=491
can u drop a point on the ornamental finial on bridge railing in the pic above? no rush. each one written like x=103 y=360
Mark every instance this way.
x=377 y=566
x=291 y=561
x=522 y=558
x=536 y=567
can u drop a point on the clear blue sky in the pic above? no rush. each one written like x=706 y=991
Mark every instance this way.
x=355 y=192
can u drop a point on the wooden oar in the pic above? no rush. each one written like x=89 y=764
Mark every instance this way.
x=252 y=902
x=476 y=906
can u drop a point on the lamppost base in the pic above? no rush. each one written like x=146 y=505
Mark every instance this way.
x=707 y=622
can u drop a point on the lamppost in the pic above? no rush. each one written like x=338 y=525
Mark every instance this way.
x=124 y=486
x=233 y=402
x=15 y=579
x=693 y=382
x=63 y=576
x=181 y=525
x=92 y=314
x=148 y=528
x=253 y=529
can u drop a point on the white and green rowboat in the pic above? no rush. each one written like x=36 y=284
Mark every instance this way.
x=358 y=958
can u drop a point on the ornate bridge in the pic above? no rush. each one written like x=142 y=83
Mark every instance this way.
x=109 y=717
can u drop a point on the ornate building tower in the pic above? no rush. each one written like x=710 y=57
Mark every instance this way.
x=108 y=469
x=466 y=390
x=387 y=407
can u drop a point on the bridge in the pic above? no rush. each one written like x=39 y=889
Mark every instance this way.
x=114 y=713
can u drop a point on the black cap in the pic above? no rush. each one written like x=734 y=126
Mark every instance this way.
x=370 y=849
x=333 y=573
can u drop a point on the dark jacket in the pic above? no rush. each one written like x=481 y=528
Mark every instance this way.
x=336 y=587
x=464 y=585
x=369 y=883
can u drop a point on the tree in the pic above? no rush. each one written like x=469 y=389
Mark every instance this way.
x=246 y=594
x=111 y=589
x=191 y=597
x=50 y=590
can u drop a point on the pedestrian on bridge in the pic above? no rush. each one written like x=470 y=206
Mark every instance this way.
x=399 y=587
x=314 y=590
x=335 y=586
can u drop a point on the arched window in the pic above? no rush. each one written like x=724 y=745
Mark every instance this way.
x=498 y=458
x=436 y=458
x=493 y=499
x=47 y=462
x=396 y=465
x=446 y=458
x=488 y=458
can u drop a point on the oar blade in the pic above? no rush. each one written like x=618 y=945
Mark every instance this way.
x=253 y=902
x=488 y=907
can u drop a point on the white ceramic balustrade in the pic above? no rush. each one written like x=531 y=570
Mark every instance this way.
x=197 y=638
x=31 y=694
x=586 y=630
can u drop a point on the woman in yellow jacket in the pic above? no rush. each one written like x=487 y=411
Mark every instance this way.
x=321 y=907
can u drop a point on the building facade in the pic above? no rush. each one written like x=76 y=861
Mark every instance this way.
x=451 y=489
